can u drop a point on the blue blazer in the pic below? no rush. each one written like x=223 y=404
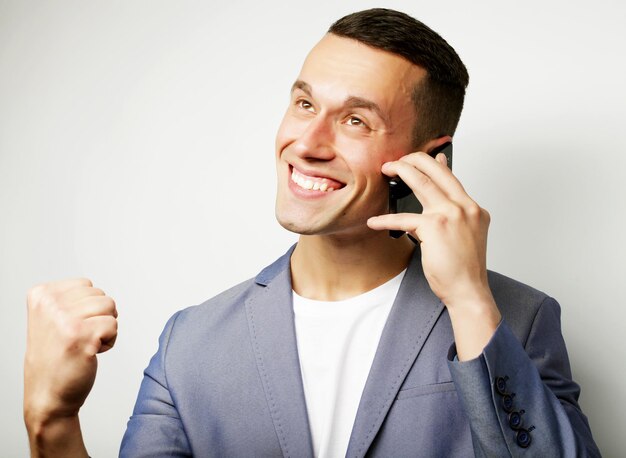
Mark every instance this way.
x=226 y=381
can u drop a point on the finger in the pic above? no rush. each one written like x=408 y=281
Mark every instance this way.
x=95 y=306
x=61 y=286
x=100 y=333
x=405 y=222
x=55 y=287
x=76 y=294
x=442 y=159
x=107 y=345
x=439 y=173
x=426 y=190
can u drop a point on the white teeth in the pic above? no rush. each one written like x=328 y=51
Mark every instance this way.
x=309 y=184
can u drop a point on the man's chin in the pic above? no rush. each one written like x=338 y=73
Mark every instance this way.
x=325 y=229
x=298 y=228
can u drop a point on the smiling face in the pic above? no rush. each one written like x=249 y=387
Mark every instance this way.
x=350 y=111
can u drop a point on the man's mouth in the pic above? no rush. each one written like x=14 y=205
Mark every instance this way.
x=314 y=183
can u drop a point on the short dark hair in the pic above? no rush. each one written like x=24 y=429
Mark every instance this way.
x=439 y=97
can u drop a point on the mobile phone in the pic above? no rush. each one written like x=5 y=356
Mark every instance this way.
x=401 y=197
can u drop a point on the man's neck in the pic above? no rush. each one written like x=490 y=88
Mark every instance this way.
x=333 y=268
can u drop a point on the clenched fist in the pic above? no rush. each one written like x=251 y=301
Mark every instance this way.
x=69 y=323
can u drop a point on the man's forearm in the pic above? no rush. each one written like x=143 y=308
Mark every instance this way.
x=60 y=437
x=473 y=325
x=537 y=379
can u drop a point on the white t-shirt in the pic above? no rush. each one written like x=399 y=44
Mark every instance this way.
x=337 y=342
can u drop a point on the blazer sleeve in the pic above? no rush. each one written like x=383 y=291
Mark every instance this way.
x=155 y=428
x=520 y=399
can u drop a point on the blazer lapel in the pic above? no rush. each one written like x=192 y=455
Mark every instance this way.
x=412 y=317
x=271 y=324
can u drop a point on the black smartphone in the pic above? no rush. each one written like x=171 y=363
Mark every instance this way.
x=401 y=197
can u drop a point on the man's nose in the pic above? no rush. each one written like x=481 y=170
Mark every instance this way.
x=317 y=139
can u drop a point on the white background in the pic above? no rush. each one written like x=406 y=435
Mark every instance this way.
x=136 y=148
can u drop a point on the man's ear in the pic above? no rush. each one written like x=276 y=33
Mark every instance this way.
x=434 y=143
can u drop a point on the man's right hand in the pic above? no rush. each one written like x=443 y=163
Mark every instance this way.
x=69 y=323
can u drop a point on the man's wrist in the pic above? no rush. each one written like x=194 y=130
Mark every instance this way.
x=54 y=437
x=475 y=297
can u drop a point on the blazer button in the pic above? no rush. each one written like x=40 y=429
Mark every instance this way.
x=507 y=402
x=523 y=438
x=515 y=420
x=501 y=385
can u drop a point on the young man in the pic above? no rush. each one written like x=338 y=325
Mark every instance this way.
x=353 y=342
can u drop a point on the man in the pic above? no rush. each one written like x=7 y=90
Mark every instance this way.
x=354 y=342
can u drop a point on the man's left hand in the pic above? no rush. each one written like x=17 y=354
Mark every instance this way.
x=452 y=231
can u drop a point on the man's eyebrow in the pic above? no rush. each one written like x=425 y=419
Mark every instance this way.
x=360 y=102
x=305 y=87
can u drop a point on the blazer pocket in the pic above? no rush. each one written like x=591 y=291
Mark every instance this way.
x=425 y=389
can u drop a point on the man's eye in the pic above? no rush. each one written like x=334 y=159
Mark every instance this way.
x=304 y=104
x=357 y=122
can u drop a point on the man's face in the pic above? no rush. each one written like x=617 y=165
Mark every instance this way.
x=350 y=112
